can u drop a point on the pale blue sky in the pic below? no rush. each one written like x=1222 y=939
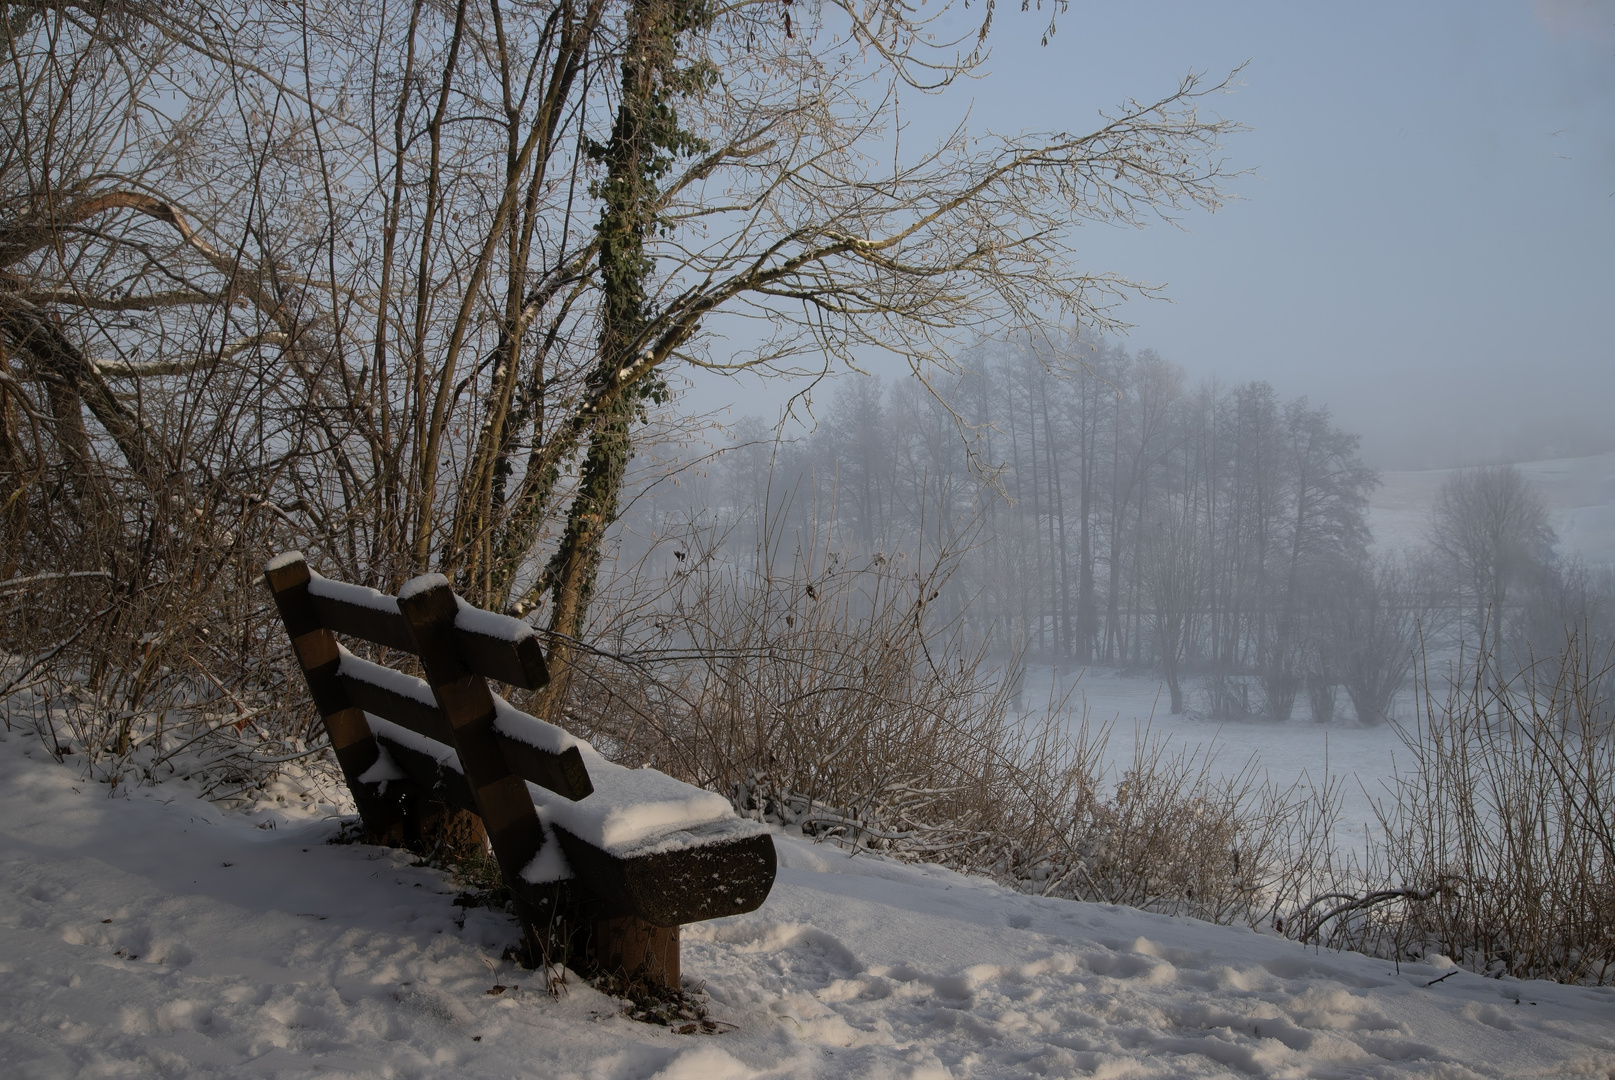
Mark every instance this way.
x=1427 y=240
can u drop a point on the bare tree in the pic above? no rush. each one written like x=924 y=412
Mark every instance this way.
x=430 y=273
x=1172 y=575
x=1491 y=529
x=1373 y=632
x=1326 y=497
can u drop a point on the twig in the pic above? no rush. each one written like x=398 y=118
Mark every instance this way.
x=93 y=620
x=23 y=582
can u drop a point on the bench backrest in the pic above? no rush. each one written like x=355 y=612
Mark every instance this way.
x=459 y=649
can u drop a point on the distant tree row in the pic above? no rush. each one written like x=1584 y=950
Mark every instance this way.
x=1105 y=511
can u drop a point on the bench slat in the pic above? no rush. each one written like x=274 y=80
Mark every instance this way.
x=384 y=628
x=563 y=773
x=444 y=785
x=668 y=888
x=401 y=709
x=512 y=656
x=499 y=647
x=519 y=663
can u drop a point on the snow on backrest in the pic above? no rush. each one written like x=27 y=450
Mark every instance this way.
x=386 y=729
x=283 y=560
x=357 y=595
x=512 y=723
x=489 y=624
x=387 y=678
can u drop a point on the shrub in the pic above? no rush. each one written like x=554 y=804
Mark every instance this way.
x=1498 y=845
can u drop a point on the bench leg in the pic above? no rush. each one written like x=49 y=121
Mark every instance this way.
x=316 y=651
x=636 y=950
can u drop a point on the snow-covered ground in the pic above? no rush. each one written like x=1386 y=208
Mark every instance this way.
x=1361 y=760
x=144 y=932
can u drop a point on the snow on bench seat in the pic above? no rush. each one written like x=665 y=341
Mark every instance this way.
x=632 y=812
x=632 y=809
x=629 y=808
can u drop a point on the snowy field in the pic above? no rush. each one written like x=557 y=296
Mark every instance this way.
x=1580 y=494
x=1361 y=759
x=147 y=933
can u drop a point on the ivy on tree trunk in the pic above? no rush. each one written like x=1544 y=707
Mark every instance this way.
x=645 y=141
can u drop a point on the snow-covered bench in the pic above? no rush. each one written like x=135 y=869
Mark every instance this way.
x=605 y=862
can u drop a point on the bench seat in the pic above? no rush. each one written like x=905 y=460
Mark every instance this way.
x=642 y=844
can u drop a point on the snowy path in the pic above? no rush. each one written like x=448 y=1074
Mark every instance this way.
x=154 y=936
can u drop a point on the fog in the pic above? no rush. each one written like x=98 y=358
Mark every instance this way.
x=1425 y=239
x=1422 y=244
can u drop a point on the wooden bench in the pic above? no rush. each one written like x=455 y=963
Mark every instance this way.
x=605 y=862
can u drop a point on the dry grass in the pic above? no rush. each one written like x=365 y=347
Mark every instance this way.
x=820 y=691
x=1498 y=846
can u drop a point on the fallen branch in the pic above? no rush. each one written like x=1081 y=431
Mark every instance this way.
x=1368 y=900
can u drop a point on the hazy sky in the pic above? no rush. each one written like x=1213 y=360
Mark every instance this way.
x=1427 y=239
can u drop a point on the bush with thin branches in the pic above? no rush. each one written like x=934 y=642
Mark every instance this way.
x=1497 y=845
x=821 y=692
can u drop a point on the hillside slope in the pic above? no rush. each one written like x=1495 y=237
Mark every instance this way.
x=145 y=933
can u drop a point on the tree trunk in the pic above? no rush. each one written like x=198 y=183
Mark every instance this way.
x=643 y=139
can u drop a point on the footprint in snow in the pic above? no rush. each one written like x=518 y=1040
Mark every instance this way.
x=805 y=954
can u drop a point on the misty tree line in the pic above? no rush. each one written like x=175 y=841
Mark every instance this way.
x=1101 y=509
